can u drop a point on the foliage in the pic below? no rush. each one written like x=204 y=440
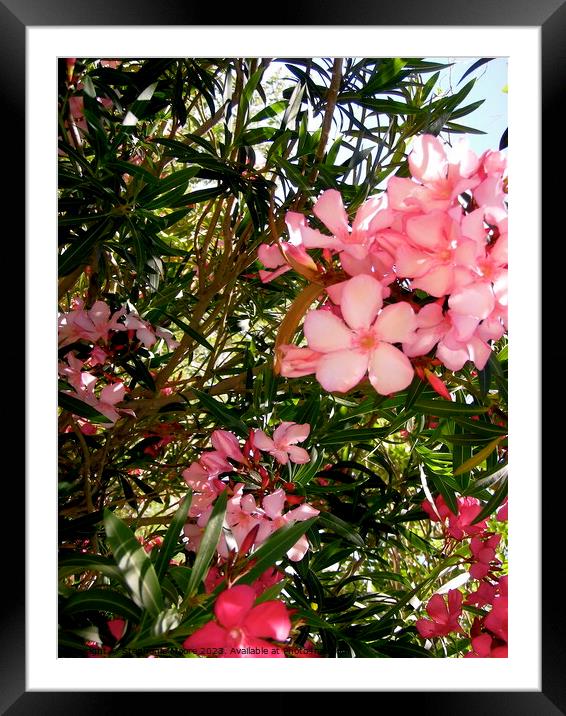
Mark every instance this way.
x=172 y=174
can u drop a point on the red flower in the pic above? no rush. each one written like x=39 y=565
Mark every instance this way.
x=241 y=629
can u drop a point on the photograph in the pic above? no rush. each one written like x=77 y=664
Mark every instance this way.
x=283 y=357
x=275 y=414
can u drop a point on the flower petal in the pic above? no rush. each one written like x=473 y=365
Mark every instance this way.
x=298 y=455
x=269 y=619
x=396 y=323
x=475 y=300
x=361 y=300
x=273 y=504
x=233 y=605
x=427 y=160
x=436 y=609
x=342 y=370
x=210 y=636
x=329 y=208
x=429 y=230
x=389 y=369
x=325 y=332
x=262 y=441
x=438 y=281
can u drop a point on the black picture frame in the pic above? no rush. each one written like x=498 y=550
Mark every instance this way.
x=550 y=16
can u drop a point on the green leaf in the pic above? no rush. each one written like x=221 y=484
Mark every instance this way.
x=351 y=436
x=274 y=548
x=442 y=408
x=80 y=408
x=79 y=563
x=134 y=564
x=191 y=332
x=208 y=544
x=446 y=492
x=221 y=412
x=80 y=249
x=330 y=521
x=102 y=600
x=497 y=498
x=172 y=537
x=478 y=458
x=294 y=105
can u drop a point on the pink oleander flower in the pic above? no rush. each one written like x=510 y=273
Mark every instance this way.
x=168 y=337
x=460 y=525
x=444 y=615
x=362 y=343
x=372 y=216
x=485 y=647
x=273 y=509
x=483 y=552
x=436 y=256
x=440 y=174
x=272 y=258
x=268 y=579
x=496 y=620
x=91 y=325
x=283 y=444
x=241 y=629
x=484 y=594
x=434 y=327
x=295 y=362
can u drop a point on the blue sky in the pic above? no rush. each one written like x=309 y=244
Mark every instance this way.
x=491 y=117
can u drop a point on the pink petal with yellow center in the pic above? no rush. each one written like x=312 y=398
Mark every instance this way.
x=429 y=230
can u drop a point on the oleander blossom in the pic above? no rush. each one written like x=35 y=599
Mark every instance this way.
x=362 y=342
x=444 y=615
x=283 y=444
x=241 y=630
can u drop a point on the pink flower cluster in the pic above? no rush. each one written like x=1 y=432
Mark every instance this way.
x=488 y=633
x=97 y=324
x=249 y=519
x=107 y=333
x=442 y=232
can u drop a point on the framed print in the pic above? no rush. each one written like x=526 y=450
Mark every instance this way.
x=252 y=459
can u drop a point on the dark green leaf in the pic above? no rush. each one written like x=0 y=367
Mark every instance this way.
x=134 y=564
x=208 y=544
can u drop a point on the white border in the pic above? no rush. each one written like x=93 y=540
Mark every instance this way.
x=522 y=670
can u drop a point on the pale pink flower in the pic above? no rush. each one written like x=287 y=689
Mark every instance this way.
x=451 y=331
x=372 y=216
x=273 y=509
x=241 y=628
x=444 y=615
x=296 y=362
x=362 y=342
x=168 y=337
x=442 y=173
x=436 y=257
x=272 y=258
x=283 y=445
